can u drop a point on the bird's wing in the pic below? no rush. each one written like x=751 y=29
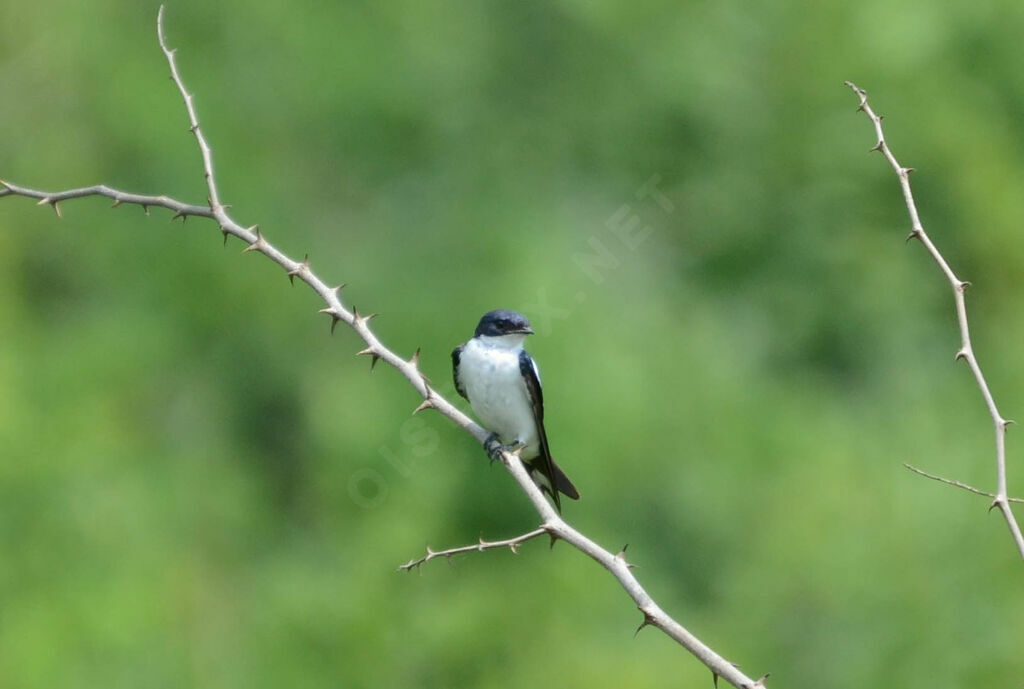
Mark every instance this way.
x=456 y=357
x=557 y=480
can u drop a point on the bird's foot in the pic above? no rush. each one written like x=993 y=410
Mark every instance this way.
x=495 y=448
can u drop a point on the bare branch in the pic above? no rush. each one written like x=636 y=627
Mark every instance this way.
x=480 y=546
x=193 y=118
x=553 y=523
x=52 y=198
x=966 y=351
x=958 y=484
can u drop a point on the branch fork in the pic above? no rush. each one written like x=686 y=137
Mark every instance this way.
x=552 y=523
x=966 y=351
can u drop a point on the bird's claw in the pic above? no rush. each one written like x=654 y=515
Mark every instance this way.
x=495 y=448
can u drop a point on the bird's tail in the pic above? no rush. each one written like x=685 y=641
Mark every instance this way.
x=563 y=483
x=550 y=478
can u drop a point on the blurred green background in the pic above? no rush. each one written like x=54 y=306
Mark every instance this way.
x=199 y=487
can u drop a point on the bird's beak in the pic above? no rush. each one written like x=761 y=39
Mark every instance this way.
x=525 y=331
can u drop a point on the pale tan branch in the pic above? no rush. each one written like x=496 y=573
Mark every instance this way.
x=53 y=198
x=193 y=118
x=553 y=523
x=958 y=484
x=478 y=547
x=966 y=351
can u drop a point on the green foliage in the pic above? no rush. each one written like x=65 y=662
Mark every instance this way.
x=200 y=488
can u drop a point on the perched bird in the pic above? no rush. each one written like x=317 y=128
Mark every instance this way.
x=502 y=384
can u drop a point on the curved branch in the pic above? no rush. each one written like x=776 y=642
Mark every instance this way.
x=959 y=286
x=553 y=523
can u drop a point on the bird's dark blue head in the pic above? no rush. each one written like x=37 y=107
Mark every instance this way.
x=503 y=322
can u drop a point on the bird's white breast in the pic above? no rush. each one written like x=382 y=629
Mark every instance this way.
x=494 y=384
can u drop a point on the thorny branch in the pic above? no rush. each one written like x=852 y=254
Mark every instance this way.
x=480 y=546
x=552 y=524
x=53 y=198
x=966 y=352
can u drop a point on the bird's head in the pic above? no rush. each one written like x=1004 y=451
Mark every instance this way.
x=501 y=322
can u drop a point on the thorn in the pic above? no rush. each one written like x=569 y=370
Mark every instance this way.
x=760 y=682
x=908 y=170
x=960 y=354
x=877 y=147
x=963 y=285
x=914 y=234
x=194 y=127
x=257 y=243
x=116 y=203
x=362 y=319
x=425 y=404
x=995 y=503
x=48 y=200
x=337 y=290
x=648 y=621
x=1007 y=423
x=302 y=266
x=621 y=555
x=145 y=208
x=4 y=184
x=334 y=317
x=225 y=233
x=554 y=539
x=415 y=360
x=183 y=216
x=369 y=351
